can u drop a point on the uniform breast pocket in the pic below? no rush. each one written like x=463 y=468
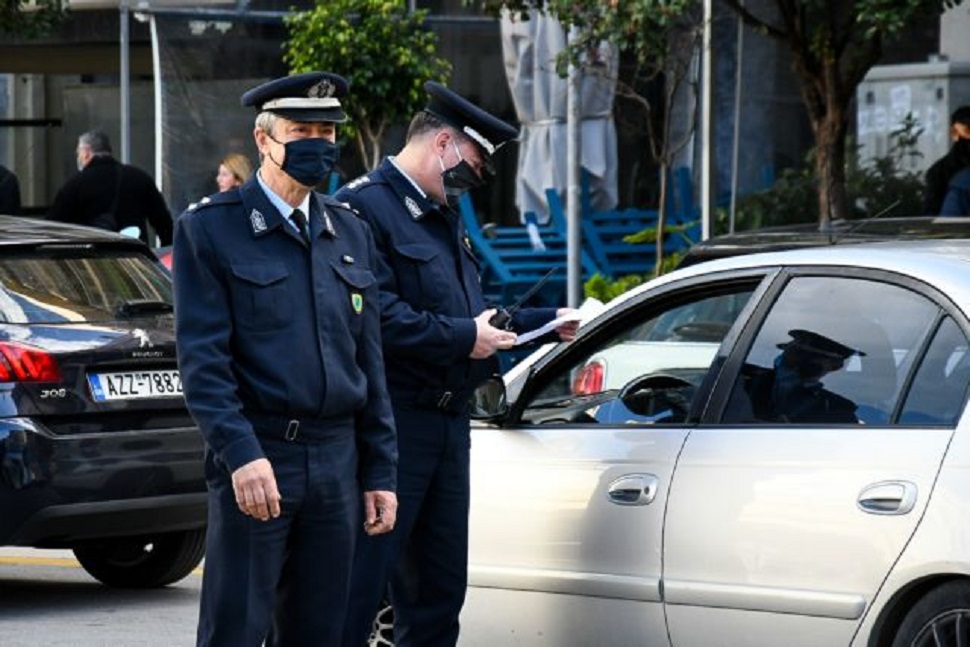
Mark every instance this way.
x=359 y=287
x=259 y=295
x=422 y=280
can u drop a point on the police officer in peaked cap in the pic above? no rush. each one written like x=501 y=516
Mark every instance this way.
x=438 y=346
x=278 y=336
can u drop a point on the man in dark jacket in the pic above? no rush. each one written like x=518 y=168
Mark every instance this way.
x=108 y=194
x=957 y=201
x=278 y=335
x=438 y=346
x=939 y=175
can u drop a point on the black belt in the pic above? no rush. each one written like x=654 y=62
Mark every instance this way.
x=296 y=428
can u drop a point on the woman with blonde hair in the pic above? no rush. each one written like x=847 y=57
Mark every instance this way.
x=234 y=170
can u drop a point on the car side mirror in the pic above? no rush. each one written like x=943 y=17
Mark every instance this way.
x=488 y=401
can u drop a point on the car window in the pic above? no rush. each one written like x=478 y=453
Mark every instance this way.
x=939 y=390
x=77 y=286
x=646 y=372
x=832 y=350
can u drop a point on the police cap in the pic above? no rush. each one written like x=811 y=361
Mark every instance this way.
x=816 y=344
x=487 y=131
x=313 y=96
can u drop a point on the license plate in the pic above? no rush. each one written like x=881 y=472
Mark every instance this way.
x=135 y=385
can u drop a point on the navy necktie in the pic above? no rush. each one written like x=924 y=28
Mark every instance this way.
x=299 y=219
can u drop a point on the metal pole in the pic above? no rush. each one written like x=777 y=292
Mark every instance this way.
x=125 y=86
x=159 y=115
x=707 y=126
x=574 y=240
x=736 y=144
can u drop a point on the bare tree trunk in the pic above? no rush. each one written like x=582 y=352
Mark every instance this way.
x=830 y=132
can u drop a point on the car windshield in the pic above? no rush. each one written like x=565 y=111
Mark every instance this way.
x=80 y=286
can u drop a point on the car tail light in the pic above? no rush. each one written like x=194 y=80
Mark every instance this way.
x=20 y=363
x=589 y=379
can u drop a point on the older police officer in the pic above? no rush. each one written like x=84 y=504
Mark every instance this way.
x=438 y=346
x=278 y=335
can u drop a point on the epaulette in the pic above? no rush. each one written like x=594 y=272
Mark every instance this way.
x=226 y=197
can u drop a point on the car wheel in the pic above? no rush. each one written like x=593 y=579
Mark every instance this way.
x=143 y=562
x=382 y=635
x=941 y=618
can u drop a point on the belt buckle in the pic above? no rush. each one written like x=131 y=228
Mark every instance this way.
x=444 y=399
x=292 y=430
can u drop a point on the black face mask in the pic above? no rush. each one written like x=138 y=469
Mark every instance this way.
x=309 y=161
x=458 y=179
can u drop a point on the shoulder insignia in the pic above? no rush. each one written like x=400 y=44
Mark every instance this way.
x=358 y=182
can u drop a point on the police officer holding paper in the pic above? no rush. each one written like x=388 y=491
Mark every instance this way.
x=278 y=335
x=438 y=346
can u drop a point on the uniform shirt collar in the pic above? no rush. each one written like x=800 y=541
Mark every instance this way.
x=281 y=205
x=413 y=198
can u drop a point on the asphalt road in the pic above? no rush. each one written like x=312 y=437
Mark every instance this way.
x=47 y=599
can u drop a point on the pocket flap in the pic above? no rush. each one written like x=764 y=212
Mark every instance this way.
x=261 y=273
x=356 y=277
x=417 y=251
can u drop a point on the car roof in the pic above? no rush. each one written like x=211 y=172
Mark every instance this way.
x=20 y=230
x=841 y=232
x=944 y=264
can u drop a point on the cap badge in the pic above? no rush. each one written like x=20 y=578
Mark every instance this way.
x=257 y=221
x=322 y=89
x=412 y=207
x=357 y=301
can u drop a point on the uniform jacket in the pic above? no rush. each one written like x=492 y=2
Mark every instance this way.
x=805 y=403
x=89 y=194
x=265 y=327
x=430 y=289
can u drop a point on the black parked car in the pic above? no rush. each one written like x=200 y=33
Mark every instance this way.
x=98 y=452
x=841 y=232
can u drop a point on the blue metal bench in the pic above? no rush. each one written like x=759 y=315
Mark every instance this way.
x=510 y=265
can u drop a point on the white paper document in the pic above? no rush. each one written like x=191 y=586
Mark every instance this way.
x=590 y=308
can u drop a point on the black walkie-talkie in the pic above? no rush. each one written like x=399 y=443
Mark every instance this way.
x=503 y=317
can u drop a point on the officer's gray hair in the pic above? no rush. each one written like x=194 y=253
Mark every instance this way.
x=97 y=141
x=266 y=121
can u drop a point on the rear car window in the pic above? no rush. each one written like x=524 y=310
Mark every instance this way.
x=78 y=286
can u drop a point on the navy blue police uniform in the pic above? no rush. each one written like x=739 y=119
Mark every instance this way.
x=430 y=293
x=280 y=355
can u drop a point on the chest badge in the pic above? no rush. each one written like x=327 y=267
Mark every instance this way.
x=357 y=301
x=257 y=221
x=412 y=207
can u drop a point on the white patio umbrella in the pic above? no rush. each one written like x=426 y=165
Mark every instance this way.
x=530 y=48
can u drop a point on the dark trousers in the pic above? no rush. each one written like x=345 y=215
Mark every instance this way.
x=291 y=573
x=426 y=555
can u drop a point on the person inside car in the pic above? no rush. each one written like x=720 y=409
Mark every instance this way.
x=792 y=390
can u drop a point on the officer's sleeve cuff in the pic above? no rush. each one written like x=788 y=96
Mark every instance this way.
x=466 y=332
x=241 y=452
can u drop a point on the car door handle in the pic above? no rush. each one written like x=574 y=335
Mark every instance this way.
x=634 y=489
x=888 y=497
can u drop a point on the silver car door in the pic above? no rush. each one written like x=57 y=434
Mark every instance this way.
x=783 y=521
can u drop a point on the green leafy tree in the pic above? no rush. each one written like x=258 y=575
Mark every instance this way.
x=30 y=20
x=385 y=52
x=834 y=44
x=660 y=38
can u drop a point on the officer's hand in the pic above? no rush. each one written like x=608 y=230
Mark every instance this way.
x=256 y=493
x=380 y=511
x=567 y=331
x=489 y=338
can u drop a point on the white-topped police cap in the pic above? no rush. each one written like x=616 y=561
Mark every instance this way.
x=312 y=96
x=486 y=130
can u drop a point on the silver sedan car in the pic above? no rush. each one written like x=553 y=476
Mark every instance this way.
x=762 y=450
